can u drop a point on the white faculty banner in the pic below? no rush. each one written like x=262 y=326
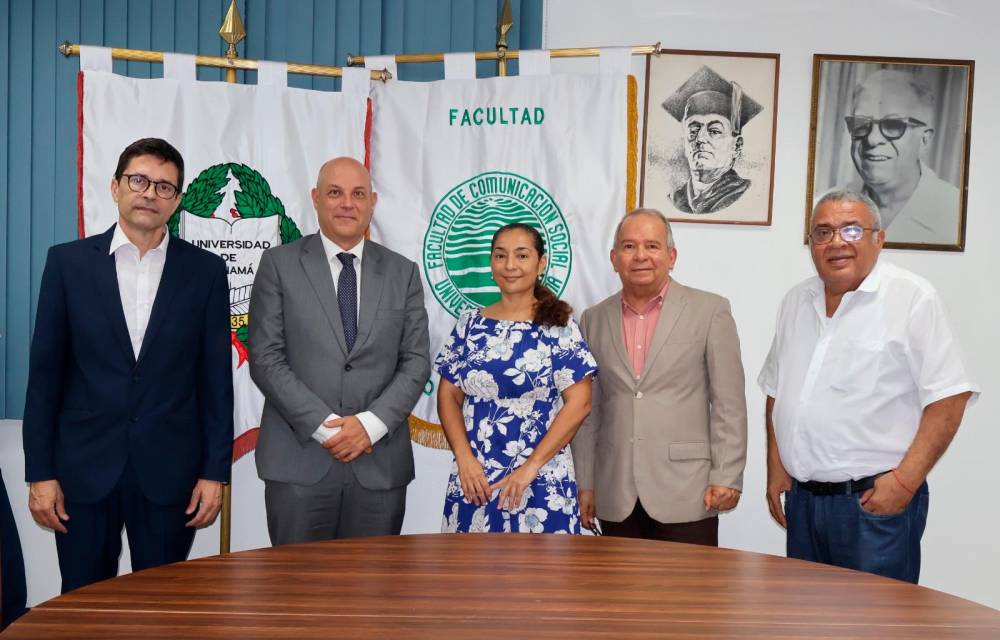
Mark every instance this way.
x=455 y=160
x=251 y=156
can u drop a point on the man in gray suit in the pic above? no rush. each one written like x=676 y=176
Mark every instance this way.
x=339 y=348
x=663 y=449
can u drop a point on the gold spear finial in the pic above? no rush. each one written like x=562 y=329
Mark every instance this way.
x=232 y=29
x=503 y=26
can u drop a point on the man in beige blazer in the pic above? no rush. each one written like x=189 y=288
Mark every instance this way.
x=663 y=450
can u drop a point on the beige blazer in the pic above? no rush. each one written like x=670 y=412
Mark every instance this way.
x=681 y=426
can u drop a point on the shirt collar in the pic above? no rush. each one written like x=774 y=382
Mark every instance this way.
x=332 y=249
x=871 y=282
x=119 y=240
x=869 y=285
x=657 y=299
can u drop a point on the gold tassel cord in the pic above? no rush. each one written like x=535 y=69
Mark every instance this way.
x=632 y=149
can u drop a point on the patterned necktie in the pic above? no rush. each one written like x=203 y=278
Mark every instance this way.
x=347 y=298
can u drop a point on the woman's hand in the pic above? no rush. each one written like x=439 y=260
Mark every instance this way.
x=474 y=485
x=513 y=486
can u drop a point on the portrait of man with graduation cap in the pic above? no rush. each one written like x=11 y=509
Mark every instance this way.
x=712 y=111
x=708 y=136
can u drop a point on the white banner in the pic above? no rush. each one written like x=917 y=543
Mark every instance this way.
x=456 y=159
x=251 y=156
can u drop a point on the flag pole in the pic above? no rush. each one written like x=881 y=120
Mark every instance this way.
x=502 y=53
x=141 y=55
x=232 y=32
x=503 y=26
x=576 y=52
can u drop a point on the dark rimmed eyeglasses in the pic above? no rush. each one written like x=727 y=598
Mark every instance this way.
x=848 y=233
x=139 y=183
x=891 y=128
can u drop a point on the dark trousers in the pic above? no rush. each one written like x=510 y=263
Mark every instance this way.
x=335 y=507
x=640 y=525
x=89 y=551
x=837 y=530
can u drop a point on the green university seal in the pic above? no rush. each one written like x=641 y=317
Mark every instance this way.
x=253 y=199
x=456 y=250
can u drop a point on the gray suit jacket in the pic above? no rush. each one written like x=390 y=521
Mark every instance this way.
x=677 y=429
x=299 y=360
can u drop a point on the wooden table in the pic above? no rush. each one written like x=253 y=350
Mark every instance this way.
x=495 y=585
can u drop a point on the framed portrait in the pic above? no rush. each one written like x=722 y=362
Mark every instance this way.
x=897 y=130
x=708 y=136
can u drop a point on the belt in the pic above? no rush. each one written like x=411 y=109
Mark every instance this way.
x=840 y=488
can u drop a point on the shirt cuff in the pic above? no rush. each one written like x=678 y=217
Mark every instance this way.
x=323 y=432
x=373 y=425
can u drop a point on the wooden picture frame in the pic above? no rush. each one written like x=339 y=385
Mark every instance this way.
x=908 y=148
x=704 y=169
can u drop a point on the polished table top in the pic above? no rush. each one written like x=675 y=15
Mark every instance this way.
x=503 y=585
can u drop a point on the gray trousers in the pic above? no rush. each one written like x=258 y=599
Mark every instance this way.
x=335 y=507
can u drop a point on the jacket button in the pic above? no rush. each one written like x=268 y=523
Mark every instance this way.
x=133 y=419
x=135 y=378
x=347 y=367
x=638 y=395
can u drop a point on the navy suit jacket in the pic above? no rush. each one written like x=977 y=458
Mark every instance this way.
x=92 y=405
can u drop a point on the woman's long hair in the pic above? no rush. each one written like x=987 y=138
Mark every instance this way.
x=549 y=309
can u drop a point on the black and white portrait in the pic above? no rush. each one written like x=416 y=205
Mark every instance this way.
x=898 y=131
x=709 y=134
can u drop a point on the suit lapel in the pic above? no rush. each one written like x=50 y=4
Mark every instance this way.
x=171 y=280
x=372 y=280
x=317 y=268
x=106 y=281
x=673 y=305
x=616 y=332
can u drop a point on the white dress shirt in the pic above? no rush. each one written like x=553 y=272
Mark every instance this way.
x=850 y=390
x=138 y=280
x=930 y=216
x=372 y=423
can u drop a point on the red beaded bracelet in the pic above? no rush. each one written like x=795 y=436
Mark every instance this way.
x=896 y=476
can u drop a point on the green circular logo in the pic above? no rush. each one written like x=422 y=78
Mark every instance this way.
x=456 y=251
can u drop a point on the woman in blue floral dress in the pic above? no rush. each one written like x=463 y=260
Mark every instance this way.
x=515 y=386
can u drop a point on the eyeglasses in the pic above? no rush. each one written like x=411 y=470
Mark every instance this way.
x=891 y=128
x=848 y=233
x=139 y=183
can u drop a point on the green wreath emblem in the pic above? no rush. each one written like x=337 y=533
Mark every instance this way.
x=253 y=200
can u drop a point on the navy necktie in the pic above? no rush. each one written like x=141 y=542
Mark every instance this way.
x=347 y=298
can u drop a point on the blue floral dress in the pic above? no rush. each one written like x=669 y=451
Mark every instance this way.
x=512 y=374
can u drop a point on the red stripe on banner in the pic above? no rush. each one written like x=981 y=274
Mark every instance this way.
x=81 y=232
x=368 y=136
x=245 y=443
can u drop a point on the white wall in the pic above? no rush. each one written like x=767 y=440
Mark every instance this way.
x=754 y=267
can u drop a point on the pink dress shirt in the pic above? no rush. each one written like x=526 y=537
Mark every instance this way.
x=638 y=327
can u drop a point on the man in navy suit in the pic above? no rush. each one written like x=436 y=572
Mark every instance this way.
x=128 y=417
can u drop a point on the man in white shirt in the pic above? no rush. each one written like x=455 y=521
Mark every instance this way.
x=339 y=348
x=865 y=390
x=128 y=419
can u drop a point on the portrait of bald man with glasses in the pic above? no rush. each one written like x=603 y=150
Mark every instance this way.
x=891 y=128
x=898 y=133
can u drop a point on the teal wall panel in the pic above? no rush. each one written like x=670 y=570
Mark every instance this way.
x=38 y=98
